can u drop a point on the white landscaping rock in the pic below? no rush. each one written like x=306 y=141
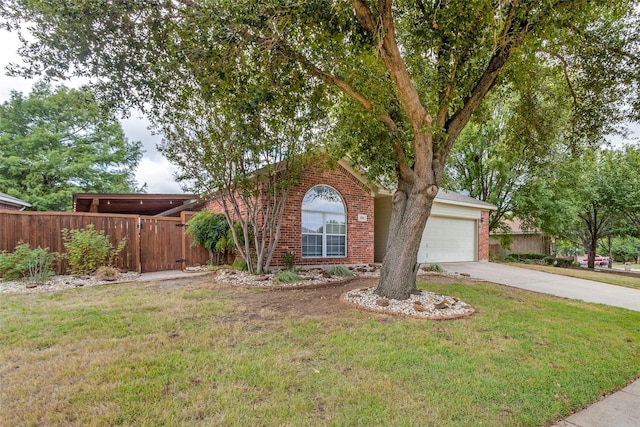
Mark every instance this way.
x=59 y=283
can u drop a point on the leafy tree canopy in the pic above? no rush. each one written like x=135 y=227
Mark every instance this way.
x=584 y=198
x=56 y=142
x=518 y=131
x=405 y=76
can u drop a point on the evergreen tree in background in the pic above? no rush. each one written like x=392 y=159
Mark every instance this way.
x=56 y=142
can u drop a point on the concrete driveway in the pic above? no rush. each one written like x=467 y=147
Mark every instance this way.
x=553 y=284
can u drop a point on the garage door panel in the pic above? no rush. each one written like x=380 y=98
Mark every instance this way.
x=448 y=240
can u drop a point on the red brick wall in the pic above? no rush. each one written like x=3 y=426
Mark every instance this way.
x=358 y=201
x=483 y=236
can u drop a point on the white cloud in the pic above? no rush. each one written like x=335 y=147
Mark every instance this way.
x=154 y=173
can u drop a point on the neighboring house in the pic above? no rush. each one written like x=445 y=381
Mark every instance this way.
x=163 y=205
x=337 y=216
x=12 y=203
x=521 y=240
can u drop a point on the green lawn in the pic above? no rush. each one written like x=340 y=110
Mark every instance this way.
x=207 y=354
x=621 y=266
x=583 y=273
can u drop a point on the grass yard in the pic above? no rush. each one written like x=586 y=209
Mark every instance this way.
x=201 y=353
x=621 y=266
x=583 y=273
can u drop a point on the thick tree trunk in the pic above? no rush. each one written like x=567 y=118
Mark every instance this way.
x=410 y=211
x=591 y=264
x=590 y=238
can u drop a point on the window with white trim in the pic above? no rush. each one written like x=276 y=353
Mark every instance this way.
x=324 y=223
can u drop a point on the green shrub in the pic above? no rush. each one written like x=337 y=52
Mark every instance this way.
x=287 y=276
x=36 y=265
x=531 y=258
x=211 y=231
x=549 y=260
x=436 y=268
x=240 y=265
x=339 y=270
x=88 y=249
x=289 y=260
x=40 y=266
x=565 y=262
x=527 y=258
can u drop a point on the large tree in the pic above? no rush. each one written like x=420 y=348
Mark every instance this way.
x=518 y=132
x=405 y=75
x=56 y=142
x=625 y=185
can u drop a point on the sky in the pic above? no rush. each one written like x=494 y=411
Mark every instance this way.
x=153 y=169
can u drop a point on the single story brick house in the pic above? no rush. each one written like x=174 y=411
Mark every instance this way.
x=334 y=215
x=12 y=203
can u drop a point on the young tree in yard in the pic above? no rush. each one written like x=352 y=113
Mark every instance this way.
x=407 y=75
x=246 y=148
x=246 y=161
x=517 y=132
x=56 y=142
x=626 y=185
x=576 y=200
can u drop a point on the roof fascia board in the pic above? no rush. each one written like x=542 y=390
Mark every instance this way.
x=183 y=207
x=466 y=204
x=376 y=190
x=13 y=201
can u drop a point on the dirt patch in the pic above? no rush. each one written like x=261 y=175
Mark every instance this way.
x=323 y=301
x=315 y=301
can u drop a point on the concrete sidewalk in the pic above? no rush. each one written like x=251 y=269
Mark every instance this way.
x=621 y=409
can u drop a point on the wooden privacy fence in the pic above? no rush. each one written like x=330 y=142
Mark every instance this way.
x=153 y=243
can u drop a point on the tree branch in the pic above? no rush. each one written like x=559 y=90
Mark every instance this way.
x=365 y=16
x=346 y=88
x=511 y=37
x=565 y=71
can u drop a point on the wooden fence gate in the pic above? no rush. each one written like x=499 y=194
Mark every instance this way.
x=165 y=245
x=153 y=243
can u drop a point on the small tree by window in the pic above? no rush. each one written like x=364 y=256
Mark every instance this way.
x=324 y=225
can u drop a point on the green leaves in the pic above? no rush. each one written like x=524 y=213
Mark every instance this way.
x=210 y=231
x=58 y=142
x=35 y=265
x=88 y=249
x=585 y=198
x=391 y=83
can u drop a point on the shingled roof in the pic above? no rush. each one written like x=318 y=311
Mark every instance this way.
x=13 y=201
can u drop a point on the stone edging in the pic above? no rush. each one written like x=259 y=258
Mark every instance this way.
x=395 y=313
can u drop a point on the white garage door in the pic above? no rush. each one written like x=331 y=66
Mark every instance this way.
x=448 y=240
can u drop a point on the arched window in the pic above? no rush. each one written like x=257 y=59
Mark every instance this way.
x=324 y=224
